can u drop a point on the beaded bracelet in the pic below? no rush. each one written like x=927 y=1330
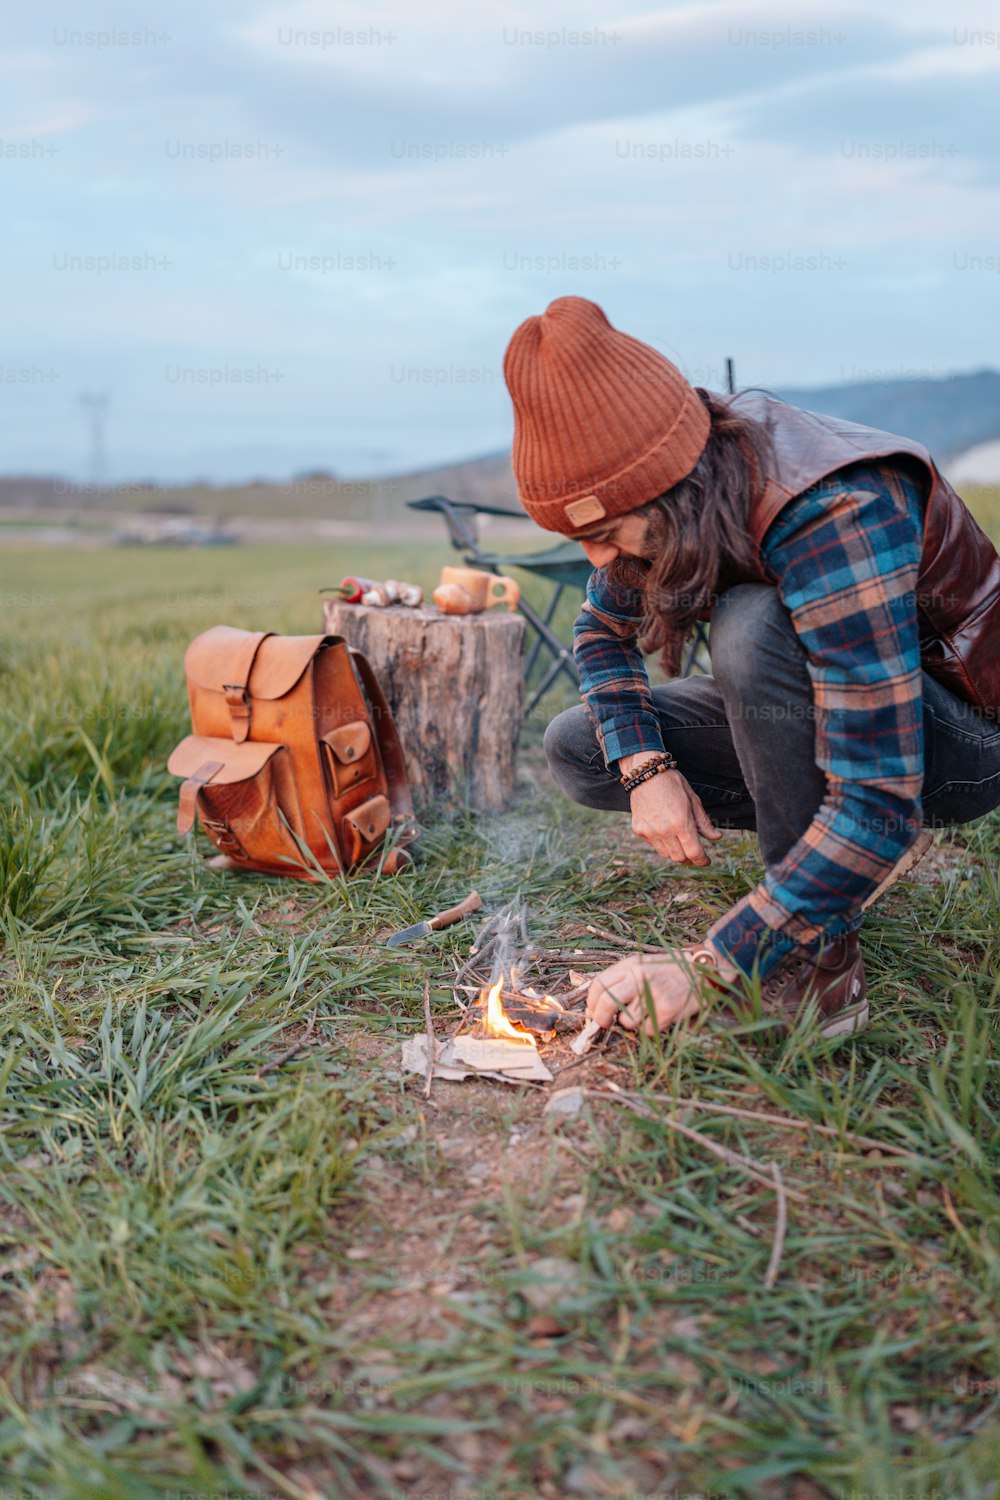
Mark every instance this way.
x=664 y=762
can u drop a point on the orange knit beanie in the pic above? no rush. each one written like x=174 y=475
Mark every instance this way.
x=602 y=422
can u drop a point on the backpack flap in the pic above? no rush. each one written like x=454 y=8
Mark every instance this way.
x=244 y=796
x=218 y=664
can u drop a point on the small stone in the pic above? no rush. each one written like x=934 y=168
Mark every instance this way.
x=584 y=1479
x=550 y=1280
x=469 y=1448
x=544 y=1326
x=573 y=1204
x=628 y=1429
x=687 y=1328
x=906 y=1417
x=563 y=1104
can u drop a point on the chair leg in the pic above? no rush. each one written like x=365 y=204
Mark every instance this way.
x=563 y=662
x=700 y=640
x=536 y=644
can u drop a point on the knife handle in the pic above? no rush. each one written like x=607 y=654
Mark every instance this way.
x=445 y=918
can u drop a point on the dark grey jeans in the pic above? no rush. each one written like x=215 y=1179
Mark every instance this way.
x=744 y=738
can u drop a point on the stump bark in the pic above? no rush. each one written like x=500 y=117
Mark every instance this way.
x=455 y=685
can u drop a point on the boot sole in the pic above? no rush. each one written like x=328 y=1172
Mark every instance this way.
x=902 y=867
x=847 y=1025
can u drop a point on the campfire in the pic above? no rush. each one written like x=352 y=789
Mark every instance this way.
x=516 y=1014
x=495 y=1023
x=503 y=1019
x=502 y=1027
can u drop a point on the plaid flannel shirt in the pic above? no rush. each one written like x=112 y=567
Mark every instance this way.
x=844 y=557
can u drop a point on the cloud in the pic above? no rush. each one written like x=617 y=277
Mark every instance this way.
x=408 y=199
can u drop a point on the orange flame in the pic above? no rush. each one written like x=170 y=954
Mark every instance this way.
x=496 y=1022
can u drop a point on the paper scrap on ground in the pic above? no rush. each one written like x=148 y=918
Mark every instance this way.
x=465 y=1056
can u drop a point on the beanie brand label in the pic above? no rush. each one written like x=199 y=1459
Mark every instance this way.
x=580 y=512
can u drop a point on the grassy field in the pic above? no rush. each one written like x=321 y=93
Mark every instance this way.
x=224 y=1278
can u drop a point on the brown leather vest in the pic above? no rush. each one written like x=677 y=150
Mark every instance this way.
x=958 y=584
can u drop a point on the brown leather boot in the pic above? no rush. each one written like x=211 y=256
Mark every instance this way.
x=832 y=976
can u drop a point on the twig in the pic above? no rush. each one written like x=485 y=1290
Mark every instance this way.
x=563 y=955
x=521 y=1083
x=431 y=1049
x=279 y=1062
x=577 y=1062
x=733 y=1158
x=602 y=932
x=780 y=1226
x=476 y=954
x=867 y=1142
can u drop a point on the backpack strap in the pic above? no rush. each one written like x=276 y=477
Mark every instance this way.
x=388 y=739
x=220 y=660
x=188 y=799
x=238 y=671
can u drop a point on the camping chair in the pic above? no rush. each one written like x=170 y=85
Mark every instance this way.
x=565 y=566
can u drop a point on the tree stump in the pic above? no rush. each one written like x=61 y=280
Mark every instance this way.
x=455 y=685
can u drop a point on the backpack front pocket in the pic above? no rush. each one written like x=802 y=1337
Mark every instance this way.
x=244 y=797
x=350 y=756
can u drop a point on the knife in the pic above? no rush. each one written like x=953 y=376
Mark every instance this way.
x=472 y=902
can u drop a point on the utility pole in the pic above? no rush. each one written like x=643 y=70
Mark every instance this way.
x=95 y=405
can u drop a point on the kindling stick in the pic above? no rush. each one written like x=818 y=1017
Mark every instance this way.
x=430 y=1039
x=781 y=1224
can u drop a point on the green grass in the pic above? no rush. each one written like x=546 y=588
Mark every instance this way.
x=218 y=1278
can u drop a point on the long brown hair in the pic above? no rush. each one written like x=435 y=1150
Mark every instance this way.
x=699 y=530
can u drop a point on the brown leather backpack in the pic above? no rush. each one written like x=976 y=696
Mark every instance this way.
x=294 y=761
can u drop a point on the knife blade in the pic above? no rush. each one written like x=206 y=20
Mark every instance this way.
x=473 y=902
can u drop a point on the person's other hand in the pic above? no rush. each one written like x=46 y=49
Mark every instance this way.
x=668 y=814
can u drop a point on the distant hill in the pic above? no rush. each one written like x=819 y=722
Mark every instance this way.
x=948 y=415
x=951 y=416
x=488 y=480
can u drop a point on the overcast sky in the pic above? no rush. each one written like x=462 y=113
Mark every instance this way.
x=812 y=188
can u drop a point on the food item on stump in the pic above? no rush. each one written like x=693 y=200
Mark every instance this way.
x=410 y=594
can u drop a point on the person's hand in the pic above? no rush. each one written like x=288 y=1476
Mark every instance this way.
x=669 y=815
x=663 y=978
